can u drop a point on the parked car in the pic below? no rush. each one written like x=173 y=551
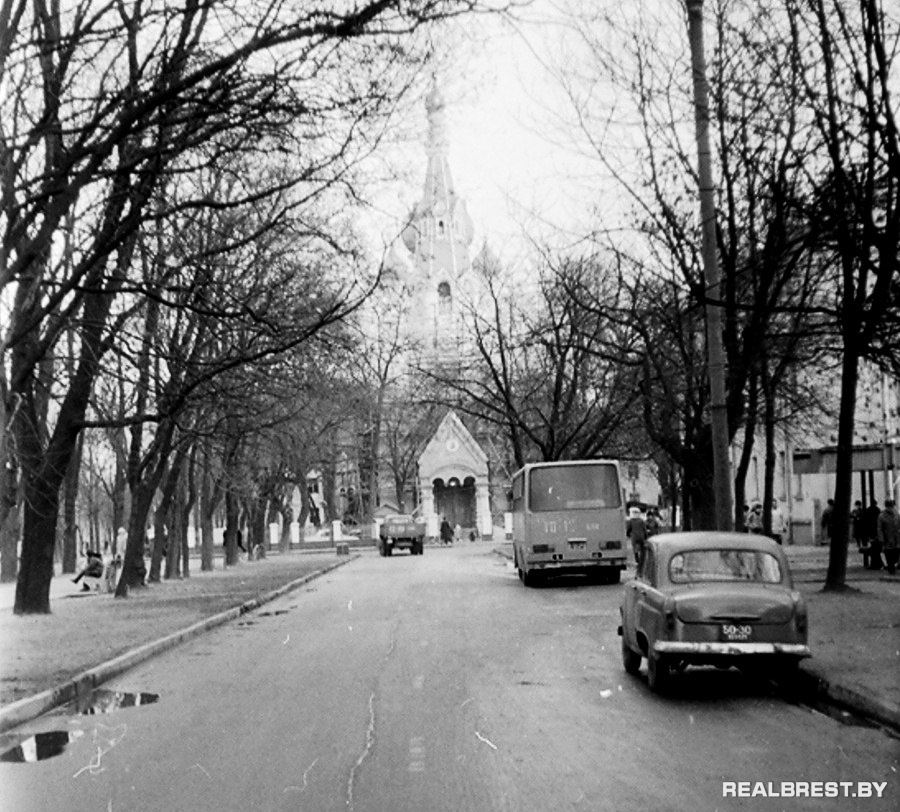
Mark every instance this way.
x=711 y=598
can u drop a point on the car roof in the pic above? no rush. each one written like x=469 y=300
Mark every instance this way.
x=704 y=539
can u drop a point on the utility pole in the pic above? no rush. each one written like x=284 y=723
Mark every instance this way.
x=712 y=273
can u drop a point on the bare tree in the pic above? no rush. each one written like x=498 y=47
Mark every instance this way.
x=544 y=369
x=107 y=103
x=848 y=49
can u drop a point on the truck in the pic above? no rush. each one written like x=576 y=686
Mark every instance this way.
x=401 y=531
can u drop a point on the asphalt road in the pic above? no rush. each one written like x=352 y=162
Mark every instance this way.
x=438 y=682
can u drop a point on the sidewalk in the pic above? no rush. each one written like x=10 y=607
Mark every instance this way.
x=47 y=659
x=90 y=637
x=854 y=635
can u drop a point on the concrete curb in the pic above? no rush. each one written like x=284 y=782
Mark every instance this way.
x=816 y=687
x=81 y=685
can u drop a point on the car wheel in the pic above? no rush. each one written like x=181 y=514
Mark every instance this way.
x=659 y=673
x=631 y=660
x=529 y=578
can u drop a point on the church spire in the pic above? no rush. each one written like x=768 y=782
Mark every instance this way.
x=440 y=215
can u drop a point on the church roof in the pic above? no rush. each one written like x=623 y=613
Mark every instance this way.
x=452 y=449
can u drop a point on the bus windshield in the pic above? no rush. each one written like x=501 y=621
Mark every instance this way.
x=574 y=487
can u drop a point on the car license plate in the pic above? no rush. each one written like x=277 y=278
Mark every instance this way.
x=736 y=632
x=577 y=545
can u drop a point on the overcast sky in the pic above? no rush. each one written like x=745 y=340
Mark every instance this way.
x=506 y=161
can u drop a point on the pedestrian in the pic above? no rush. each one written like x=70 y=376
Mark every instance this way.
x=121 y=541
x=858 y=528
x=776 y=521
x=754 y=519
x=872 y=514
x=636 y=530
x=93 y=568
x=446 y=532
x=889 y=535
x=652 y=524
x=827 y=521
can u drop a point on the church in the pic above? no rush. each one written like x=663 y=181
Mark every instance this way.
x=434 y=270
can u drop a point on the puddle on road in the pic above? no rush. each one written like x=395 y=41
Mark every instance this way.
x=105 y=701
x=40 y=746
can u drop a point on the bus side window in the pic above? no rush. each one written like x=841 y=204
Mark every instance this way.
x=518 y=492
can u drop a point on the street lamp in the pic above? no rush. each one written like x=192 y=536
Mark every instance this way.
x=715 y=350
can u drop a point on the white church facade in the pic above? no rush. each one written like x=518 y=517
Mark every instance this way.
x=434 y=266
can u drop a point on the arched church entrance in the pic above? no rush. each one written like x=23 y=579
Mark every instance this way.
x=455 y=500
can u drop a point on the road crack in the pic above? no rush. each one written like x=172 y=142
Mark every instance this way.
x=370 y=743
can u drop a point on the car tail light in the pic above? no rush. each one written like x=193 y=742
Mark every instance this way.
x=543 y=548
x=613 y=545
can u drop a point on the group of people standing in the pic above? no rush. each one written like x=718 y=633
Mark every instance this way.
x=753 y=521
x=875 y=531
x=639 y=529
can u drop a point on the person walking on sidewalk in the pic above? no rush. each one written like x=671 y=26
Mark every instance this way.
x=636 y=530
x=827 y=521
x=446 y=532
x=889 y=535
x=873 y=512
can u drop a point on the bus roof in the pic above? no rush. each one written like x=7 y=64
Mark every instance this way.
x=564 y=463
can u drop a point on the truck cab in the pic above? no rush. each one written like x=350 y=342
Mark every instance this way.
x=401 y=531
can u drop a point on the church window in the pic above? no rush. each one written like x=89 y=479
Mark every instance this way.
x=445 y=303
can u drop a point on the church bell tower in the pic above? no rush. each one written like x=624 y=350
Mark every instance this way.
x=438 y=235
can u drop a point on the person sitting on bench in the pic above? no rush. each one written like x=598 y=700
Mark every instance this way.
x=93 y=569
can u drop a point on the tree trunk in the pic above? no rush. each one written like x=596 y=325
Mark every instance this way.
x=257 y=531
x=232 y=517
x=9 y=544
x=70 y=505
x=177 y=531
x=207 y=508
x=40 y=511
x=699 y=487
x=769 y=465
x=835 y=579
x=287 y=517
x=9 y=488
x=160 y=545
x=740 y=476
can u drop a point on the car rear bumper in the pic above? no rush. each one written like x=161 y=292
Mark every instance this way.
x=578 y=564
x=730 y=649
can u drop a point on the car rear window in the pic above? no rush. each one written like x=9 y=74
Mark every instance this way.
x=724 y=565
